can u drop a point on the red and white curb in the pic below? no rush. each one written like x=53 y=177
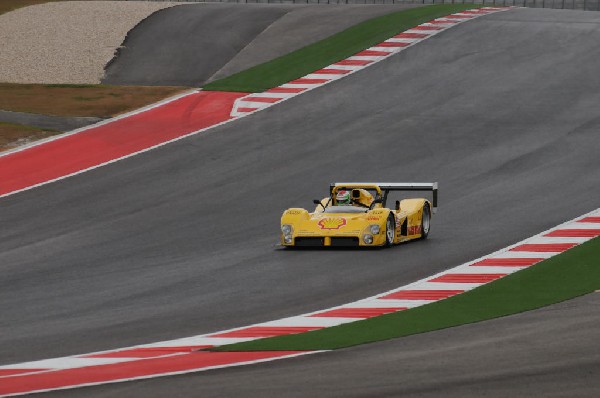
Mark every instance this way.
x=359 y=61
x=182 y=355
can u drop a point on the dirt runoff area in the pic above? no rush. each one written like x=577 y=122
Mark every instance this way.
x=66 y=42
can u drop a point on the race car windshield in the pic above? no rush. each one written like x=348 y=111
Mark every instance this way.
x=345 y=209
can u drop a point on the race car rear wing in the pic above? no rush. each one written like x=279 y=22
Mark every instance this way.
x=386 y=187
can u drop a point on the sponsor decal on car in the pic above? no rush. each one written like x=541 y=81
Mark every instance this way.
x=332 y=223
x=415 y=229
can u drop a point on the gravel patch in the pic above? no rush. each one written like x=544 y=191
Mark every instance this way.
x=66 y=42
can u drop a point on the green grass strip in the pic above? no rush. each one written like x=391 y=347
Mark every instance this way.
x=565 y=276
x=332 y=49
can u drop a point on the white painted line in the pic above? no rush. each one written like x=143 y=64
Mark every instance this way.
x=518 y=254
x=489 y=269
x=386 y=303
x=328 y=76
x=365 y=58
x=390 y=50
x=299 y=85
x=67 y=363
x=345 y=67
x=268 y=95
x=551 y=239
x=421 y=32
x=254 y=104
x=582 y=225
x=199 y=341
x=439 y=25
x=447 y=286
x=402 y=40
x=308 y=321
x=249 y=102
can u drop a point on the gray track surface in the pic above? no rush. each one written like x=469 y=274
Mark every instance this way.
x=182 y=240
x=47 y=122
x=544 y=353
x=188 y=44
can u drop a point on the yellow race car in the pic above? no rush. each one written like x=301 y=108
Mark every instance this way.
x=355 y=214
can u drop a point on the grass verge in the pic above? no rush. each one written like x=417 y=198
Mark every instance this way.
x=13 y=135
x=332 y=49
x=565 y=276
x=80 y=100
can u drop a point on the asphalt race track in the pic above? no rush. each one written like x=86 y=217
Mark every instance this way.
x=500 y=358
x=191 y=44
x=501 y=111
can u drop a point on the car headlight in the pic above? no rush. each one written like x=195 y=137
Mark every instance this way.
x=287 y=229
x=368 y=239
x=374 y=229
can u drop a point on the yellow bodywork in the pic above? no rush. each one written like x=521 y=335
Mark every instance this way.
x=363 y=224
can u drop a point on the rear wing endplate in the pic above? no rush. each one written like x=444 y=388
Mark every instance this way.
x=397 y=186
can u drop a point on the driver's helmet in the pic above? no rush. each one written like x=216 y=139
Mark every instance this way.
x=343 y=197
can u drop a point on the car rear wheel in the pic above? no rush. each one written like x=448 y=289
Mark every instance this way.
x=390 y=230
x=425 y=221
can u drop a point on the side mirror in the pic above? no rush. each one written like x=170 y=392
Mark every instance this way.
x=397 y=205
x=374 y=202
x=318 y=202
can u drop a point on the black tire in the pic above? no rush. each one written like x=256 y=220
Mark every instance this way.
x=425 y=221
x=390 y=231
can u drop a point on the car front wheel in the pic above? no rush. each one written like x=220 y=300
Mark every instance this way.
x=390 y=231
